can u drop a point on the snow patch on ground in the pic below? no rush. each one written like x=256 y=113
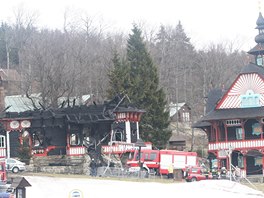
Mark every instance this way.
x=52 y=187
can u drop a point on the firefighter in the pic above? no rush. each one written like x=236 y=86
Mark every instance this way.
x=215 y=172
x=223 y=172
x=205 y=172
x=170 y=171
x=93 y=167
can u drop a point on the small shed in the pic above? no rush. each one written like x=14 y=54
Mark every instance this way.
x=19 y=185
x=177 y=142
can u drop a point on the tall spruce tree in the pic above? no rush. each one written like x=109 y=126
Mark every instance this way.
x=142 y=87
x=118 y=77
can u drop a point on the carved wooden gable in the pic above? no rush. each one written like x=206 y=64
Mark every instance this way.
x=246 y=92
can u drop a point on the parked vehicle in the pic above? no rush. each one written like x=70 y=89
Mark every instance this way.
x=4 y=185
x=14 y=165
x=197 y=173
x=6 y=195
x=3 y=178
x=158 y=161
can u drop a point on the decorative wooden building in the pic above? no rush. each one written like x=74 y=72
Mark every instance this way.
x=71 y=131
x=234 y=122
x=180 y=112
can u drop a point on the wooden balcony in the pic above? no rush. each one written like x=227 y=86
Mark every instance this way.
x=75 y=151
x=122 y=147
x=238 y=144
x=2 y=152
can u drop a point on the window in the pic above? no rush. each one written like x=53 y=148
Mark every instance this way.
x=118 y=136
x=74 y=139
x=2 y=141
x=239 y=133
x=250 y=99
x=195 y=170
x=256 y=129
x=10 y=161
x=19 y=193
x=258 y=161
x=38 y=138
x=150 y=156
x=240 y=161
x=259 y=60
x=134 y=132
x=153 y=156
x=233 y=122
x=186 y=116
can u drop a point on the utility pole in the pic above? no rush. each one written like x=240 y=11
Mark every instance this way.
x=230 y=149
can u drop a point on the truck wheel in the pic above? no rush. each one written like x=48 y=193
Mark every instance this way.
x=158 y=173
x=15 y=170
x=193 y=179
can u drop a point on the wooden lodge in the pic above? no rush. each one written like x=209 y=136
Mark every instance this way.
x=234 y=122
x=70 y=131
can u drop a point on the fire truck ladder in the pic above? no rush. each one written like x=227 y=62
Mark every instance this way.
x=111 y=159
x=239 y=177
x=110 y=155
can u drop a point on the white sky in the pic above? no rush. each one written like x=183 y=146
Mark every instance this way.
x=205 y=21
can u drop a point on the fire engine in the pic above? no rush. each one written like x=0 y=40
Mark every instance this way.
x=3 y=178
x=158 y=161
x=4 y=186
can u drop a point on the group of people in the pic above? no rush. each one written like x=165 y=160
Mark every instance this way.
x=222 y=173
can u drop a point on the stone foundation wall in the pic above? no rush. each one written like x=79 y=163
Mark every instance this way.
x=60 y=164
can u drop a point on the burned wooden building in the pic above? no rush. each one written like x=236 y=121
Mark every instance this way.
x=71 y=131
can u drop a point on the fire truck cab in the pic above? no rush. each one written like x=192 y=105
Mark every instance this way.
x=3 y=182
x=3 y=178
x=149 y=159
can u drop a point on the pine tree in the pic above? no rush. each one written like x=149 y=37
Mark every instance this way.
x=143 y=90
x=118 y=77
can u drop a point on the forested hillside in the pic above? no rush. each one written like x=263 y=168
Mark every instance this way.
x=77 y=59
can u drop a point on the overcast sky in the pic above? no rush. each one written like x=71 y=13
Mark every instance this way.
x=205 y=21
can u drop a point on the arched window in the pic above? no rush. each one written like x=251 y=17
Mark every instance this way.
x=118 y=135
x=259 y=60
x=74 y=139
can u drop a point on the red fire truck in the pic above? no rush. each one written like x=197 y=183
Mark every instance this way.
x=3 y=178
x=158 y=161
x=4 y=186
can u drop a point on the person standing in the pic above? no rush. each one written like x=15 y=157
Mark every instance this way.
x=223 y=172
x=170 y=171
x=93 y=167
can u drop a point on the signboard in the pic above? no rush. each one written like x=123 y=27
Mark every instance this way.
x=75 y=194
x=222 y=153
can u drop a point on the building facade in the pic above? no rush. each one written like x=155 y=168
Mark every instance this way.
x=234 y=122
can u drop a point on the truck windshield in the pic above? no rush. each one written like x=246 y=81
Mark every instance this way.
x=150 y=156
x=195 y=170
